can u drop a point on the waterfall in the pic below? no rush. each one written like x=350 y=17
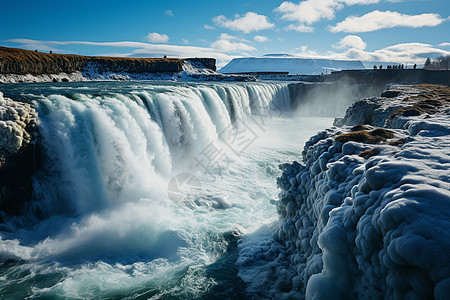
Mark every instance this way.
x=121 y=202
x=110 y=148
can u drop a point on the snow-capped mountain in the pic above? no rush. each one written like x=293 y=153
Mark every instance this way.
x=292 y=65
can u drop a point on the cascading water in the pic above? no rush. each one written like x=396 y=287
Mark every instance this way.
x=102 y=222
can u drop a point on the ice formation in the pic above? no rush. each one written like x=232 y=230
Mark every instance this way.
x=366 y=215
x=15 y=117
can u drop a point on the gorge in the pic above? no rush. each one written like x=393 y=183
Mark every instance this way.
x=168 y=189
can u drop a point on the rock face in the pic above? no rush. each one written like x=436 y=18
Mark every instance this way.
x=18 y=61
x=207 y=63
x=17 y=154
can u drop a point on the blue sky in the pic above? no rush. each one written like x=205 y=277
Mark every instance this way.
x=402 y=31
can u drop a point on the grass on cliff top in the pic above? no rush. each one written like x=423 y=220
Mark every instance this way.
x=370 y=137
x=20 y=55
x=430 y=101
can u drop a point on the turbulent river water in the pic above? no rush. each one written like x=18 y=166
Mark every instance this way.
x=148 y=189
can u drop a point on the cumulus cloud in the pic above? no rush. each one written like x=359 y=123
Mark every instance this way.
x=247 y=23
x=230 y=43
x=168 y=13
x=303 y=51
x=377 y=20
x=261 y=38
x=400 y=53
x=154 y=37
x=305 y=13
x=309 y=11
x=208 y=27
x=351 y=41
x=299 y=28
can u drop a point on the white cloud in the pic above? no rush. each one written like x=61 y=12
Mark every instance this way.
x=350 y=41
x=154 y=37
x=247 y=23
x=308 y=12
x=303 y=51
x=401 y=53
x=38 y=45
x=261 y=38
x=208 y=27
x=377 y=20
x=359 y=2
x=444 y=45
x=141 y=49
x=299 y=28
x=168 y=13
x=226 y=36
x=229 y=43
x=185 y=41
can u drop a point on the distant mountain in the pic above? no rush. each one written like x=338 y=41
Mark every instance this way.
x=278 y=55
x=292 y=65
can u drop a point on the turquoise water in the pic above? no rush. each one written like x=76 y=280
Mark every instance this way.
x=146 y=188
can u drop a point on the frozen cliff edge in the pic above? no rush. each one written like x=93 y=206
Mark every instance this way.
x=366 y=214
x=18 y=157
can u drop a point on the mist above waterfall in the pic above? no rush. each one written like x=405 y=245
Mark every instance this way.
x=329 y=99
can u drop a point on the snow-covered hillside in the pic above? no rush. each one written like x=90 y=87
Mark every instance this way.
x=293 y=65
x=366 y=214
x=191 y=71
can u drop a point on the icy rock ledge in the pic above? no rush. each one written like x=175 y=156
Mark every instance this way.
x=15 y=118
x=366 y=215
x=17 y=154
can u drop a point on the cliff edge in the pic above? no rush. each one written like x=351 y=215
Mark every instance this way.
x=18 y=157
x=25 y=62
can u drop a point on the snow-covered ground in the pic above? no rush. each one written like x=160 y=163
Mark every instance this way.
x=191 y=72
x=293 y=65
x=15 y=117
x=366 y=214
x=15 y=78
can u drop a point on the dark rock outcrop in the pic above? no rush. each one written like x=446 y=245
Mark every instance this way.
x=19 y=61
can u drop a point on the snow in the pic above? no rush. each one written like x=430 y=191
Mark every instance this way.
x=191 y=72
x=366 y=228
x=293 y=65
x=15 y=78
x=15 y=117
